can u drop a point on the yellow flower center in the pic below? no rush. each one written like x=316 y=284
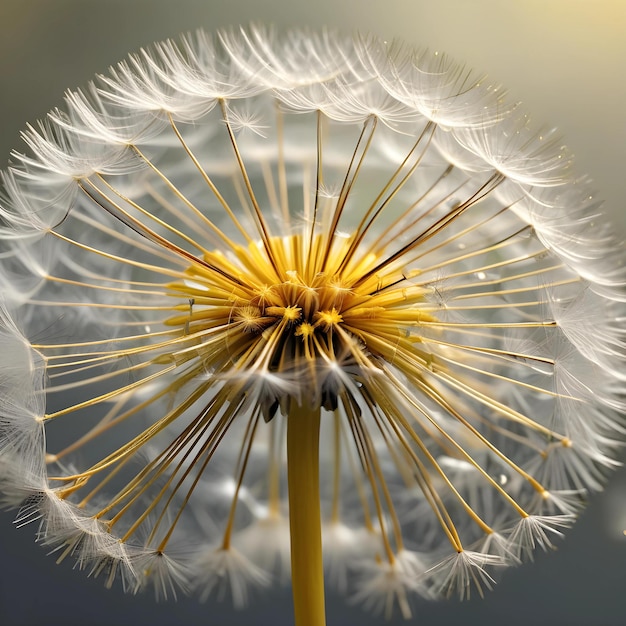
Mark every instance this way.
x=297 y=307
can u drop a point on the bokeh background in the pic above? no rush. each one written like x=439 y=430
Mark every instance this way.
x=565 y=59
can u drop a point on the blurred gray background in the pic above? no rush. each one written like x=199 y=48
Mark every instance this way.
x=565 y=59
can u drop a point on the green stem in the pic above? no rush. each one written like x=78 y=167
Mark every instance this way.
x=307 y=572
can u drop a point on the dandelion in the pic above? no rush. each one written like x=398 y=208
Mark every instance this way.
x=279 y=304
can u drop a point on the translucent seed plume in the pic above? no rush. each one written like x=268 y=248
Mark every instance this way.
x=226 y=234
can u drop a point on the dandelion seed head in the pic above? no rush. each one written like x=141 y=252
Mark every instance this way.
x=239 y=258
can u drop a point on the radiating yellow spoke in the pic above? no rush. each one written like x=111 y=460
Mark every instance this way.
x=507 y=379
x=218 y=231
x=504 y=280
x=158 y=269
x=438 y=469
x=356 y=162
x=260 y=220
x=143 y=230
x=386 y=237
x=99 y=342
x=389 y=190
x=481 y=268
x=466 y=456
x=388 y=263
x=358 y=432
x=124 y=290
x=506 y=325
x=491 y=352
x=109 y=395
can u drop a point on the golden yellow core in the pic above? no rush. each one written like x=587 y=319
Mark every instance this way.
x=297 y=305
